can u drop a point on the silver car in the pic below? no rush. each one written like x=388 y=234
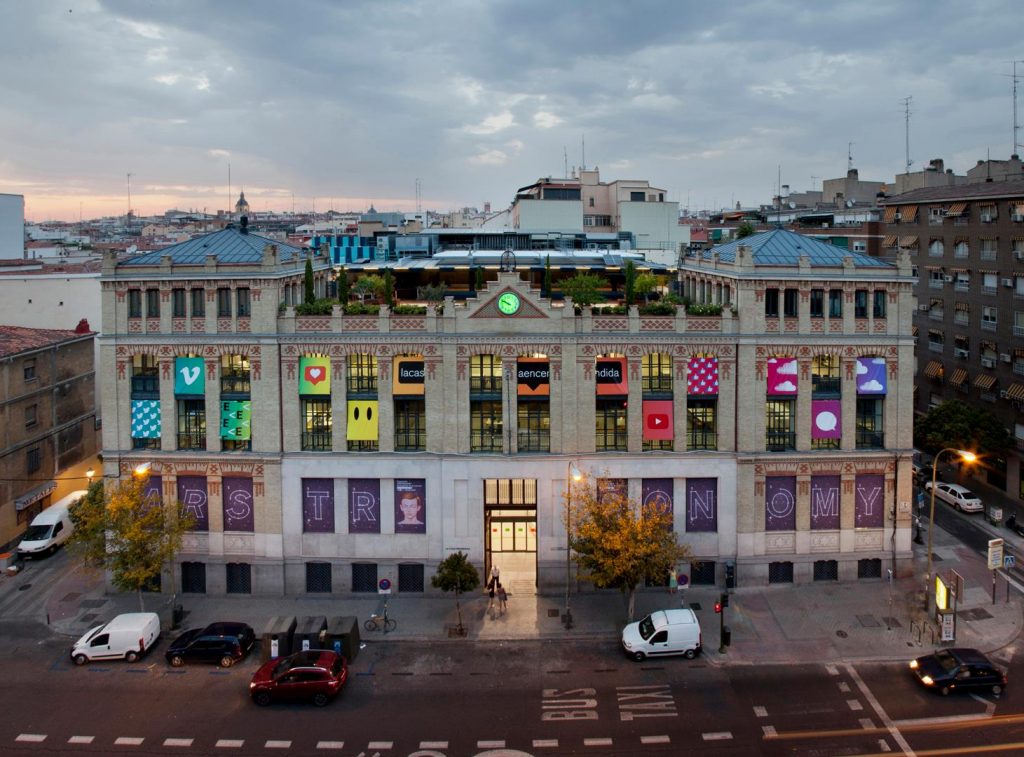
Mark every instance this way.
x=958 y=496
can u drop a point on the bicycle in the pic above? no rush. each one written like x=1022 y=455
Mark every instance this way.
x=381 y=622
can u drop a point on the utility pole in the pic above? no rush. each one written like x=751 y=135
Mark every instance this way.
x=129 y=195
x=1016 y=129
x=906 y=129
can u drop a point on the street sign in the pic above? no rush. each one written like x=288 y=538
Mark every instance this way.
x=1009 y=561
x=683 y=580
x=384 y=586
x=995 y=554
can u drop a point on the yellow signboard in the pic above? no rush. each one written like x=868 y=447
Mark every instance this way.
x=362 y=421
x=941 y=594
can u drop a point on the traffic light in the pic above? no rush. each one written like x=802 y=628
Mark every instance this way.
x=718 y=607
x=723 y=600
x=730 y=575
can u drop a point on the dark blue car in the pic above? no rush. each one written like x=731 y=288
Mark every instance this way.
x=219 y=643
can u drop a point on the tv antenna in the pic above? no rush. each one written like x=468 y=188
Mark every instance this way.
x=814 y=183
x=849 y=155
x=129 y=195
x=906 y=129
x=1017 y=144
x=419 y=194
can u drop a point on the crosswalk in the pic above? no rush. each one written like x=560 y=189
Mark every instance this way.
x=26 y=595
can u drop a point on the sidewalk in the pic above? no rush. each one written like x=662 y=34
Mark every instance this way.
x=828 y=622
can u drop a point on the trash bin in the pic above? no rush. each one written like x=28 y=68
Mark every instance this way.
x=726 y=636
x=342 y=636
x=994 y=513
x=277 y=637
x=308 y=633
x=177 y=615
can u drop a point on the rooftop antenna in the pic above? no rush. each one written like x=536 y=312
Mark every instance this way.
x=906 y=129
x=814 y=183
x=419 y=195
x=1017 y=144
x=229 y=189
x=583 y=152
x=778 y=200
x=849 y=155
x=565 y=157
x=129 y=195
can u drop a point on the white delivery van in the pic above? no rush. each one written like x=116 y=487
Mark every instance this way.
x=663 y=632
x=50 y=528
x=126 y=637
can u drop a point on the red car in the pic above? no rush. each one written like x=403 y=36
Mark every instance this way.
x=316 y=674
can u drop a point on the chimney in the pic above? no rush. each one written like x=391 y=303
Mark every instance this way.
x=83 y=327
x=852 y=173
x=785 y=191
x=244 y=223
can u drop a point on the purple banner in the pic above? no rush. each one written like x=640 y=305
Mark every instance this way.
x=318 y=505
x=702 y=504
x=238 y=506
x=869 y=509
x=780 y=503
x=871 y=377
x=827 y=419
x=154 y=489
x=192 y=495
x=364 y=505
x=410 y=506
x=658 y=493
x=824 y=503
x=611 y=489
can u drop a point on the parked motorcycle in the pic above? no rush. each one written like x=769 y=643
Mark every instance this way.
x=1013 y=525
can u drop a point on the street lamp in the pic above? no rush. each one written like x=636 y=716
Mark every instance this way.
x=142 y=469
x=89 y=474
x=967 y=457
x=572 y=475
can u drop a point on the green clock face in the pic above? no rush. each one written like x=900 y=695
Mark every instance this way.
x=508 y=303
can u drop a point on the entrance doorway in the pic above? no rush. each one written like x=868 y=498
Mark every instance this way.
x=510 y=520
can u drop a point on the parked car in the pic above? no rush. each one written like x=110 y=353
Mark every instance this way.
x=315 y=674
x=223 y=643
x=955 y=669
x=663 y=632
x=126 y=637
x=958 y=496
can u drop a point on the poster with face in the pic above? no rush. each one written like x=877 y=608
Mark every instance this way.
x=318 y=505
x=702 y=505
x=782 y=375
x=826 y=419
x=871 y=376
x=238 y=505
x=410 y=506
x=869 y=509
x=611 y=489
x=192 y=495
x=824 y=503
x=364 y=506
x=780 y=503
x=657 y=492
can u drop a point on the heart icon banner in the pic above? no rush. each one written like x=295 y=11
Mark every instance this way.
x=314 y=375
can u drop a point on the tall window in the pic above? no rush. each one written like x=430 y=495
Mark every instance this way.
x=611 y=425
x=869 y=423
x=485 y=410
x=316 y=424
x=771 y=303
x=789 y=303
x=178 y=303
x=835 y=303
x=817 y=303
x=878 y=303
x=152 y=303
x=234 y=375
x=134 y=303
x=224 y=302
x=656 y=372
x=361 y=384
x=145 y=385
x=485 y=374
x=198 y=303
x=825 y=382
x=780 y=425
x=192 y=424
x=410 y=425
x=534 y=424
x=243 y=302
x=702 y=424
x=860 y=303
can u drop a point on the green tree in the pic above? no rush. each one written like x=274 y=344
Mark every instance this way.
x=957 y=424
x=370 y=285
x=630 y=284
x=308 y=292
x=645 y=284
x=546 y=286
x=745 y=229
x=584 y=289
x=618 y=542
x=343 y=286
x=456 y=573
x=121 y=530
x=389 y=288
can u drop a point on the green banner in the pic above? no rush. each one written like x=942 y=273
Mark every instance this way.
x=314 y=374
x=189 y=377
x=236 y=420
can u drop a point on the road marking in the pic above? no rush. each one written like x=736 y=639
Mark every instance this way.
x=280 y=745
x=832 y=670
x=81 y=739
x=597 y=742
x=844 y=687
x=883 y=745
x=128 y=741
x=545 y=743
x=654 y=740
x=178 y=742
x=33 y=738
x=941 y=719
x=717 y=736
x=769 y=730
x=435 y=745
x=761 y=712
x=230 y=743
x=489 y=745
x=867 y=724
x=336 y=745
x=894 y=731
x=380 y=745
x=854 y=705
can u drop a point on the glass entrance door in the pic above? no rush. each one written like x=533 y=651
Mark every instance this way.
x=510 y=520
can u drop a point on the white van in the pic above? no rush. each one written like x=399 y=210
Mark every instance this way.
x=50 y=528
x=126 y=637
x=663 y=632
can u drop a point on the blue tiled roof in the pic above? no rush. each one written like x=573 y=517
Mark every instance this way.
x=784 y=248
x=228 y=245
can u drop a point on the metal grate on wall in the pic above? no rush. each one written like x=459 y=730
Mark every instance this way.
x=780 y=572
x=410 y=578
x=318 y=577
x=193 y=578
x=239 y=578
x=702 y=572
x=869 y=568
x=826 y=570
x=364 y=577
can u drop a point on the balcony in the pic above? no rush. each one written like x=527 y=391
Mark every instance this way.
x=870 y=440
x=936 y=314
x=1018 y=330
x=962 y=286
x=780 y=441
x=989 y=289
x=936 y=347
x=988 y=325
x=192 y=440
x=534 y=441
x=235 y=384
x=316 y=441
x=936 y=283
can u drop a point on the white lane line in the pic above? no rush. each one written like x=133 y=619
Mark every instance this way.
x=380 y=745
x=128 y=741
x=32 y=738
x=761 y=712
x=940 y=720
x=883 y=746
x=832 y=670
x=278 y=745
x=769 y=730
x=81 y=739
x=433 y=745
x=230 y=743
x=655 y=740
x=894 y=731
x=844 y=687
x=335 y=745
x=545 y=743
x=597 y=742
x=854 y=705
x=490 y=745
x=178 y=742
x=867 y=724
x=717 y=736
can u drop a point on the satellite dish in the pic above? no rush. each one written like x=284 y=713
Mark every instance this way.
x=133 y=249
x=792 y=205
x=849 y=203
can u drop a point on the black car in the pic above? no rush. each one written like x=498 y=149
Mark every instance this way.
x=955 y=669
x=223 y=643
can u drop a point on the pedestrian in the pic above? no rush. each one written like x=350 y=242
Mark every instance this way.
x=494 y=577
x=490 y=598
x=673 y=581
x=502 y=599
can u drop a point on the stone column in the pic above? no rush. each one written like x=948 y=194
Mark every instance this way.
x=634 y=408
x=679 y=397
x=339 y=405
x=212 y=404
x=385 y=406
x=803 y=404
x=848 y=374
x=291 y=406
x=168 y=406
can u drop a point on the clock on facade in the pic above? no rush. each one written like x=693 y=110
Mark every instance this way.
x=508 y=303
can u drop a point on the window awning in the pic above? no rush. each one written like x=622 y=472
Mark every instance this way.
x=909 y=213
x=908 y=241
x=914 y=330
x=890 y=241
x=959 y=377
x=1015 y=392
x=34 y=495
x=890 y=215
x=984 y=382
x=956 y=209
x=934 y=369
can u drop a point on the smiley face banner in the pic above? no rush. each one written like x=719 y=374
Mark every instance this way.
x=314 y=375
x=362 y=421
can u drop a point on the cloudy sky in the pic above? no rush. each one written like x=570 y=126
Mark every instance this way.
x=340 y=104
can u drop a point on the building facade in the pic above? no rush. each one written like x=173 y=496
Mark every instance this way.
x=322 y=454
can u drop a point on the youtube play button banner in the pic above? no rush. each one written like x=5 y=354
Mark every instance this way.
x=658 y=420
